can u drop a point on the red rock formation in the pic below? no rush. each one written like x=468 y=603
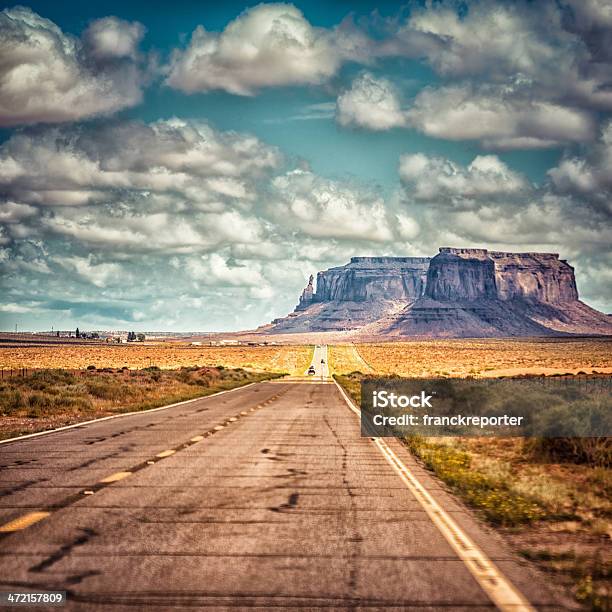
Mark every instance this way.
x=306 y=297
x=458 y=293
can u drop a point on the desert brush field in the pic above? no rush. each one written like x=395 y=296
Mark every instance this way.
x=50 y=398
x=507 y=357
x=287 y=359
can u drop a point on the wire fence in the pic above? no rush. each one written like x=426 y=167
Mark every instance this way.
x=7 y=372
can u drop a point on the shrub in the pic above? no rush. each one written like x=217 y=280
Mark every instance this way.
x=40 y=380
x=12 y=400
x=596 y=452
x=107 y=389
x=498 y=502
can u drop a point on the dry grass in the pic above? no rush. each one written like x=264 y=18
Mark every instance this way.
x=290 y=359
x=47 y=399
x=489 y=357
x=345 y=358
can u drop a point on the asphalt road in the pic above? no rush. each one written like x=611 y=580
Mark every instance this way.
x=271 y=499
x=319 y=362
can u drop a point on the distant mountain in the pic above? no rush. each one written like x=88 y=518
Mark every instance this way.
x=458 y=293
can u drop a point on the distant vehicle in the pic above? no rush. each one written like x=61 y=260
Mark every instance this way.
x=322 y=360
x=311 y=371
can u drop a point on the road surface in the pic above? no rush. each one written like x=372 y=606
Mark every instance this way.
x=319 y=363
x=262 y=497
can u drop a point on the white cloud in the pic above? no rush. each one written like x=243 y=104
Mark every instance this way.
x=47 y=76
x=323 y=208
x=491 y=38
x=111 y=38
x=435 y=178
x=557 y=49
x=267 y=45
x=215 y=271
x=589 y=176
x=497 y=118
x=155 y=232
x=408 y=228
x=371 y=103
x=244 y=276
x=99 y=274
x=169 y=163
x=16 y=308
x=13 y=212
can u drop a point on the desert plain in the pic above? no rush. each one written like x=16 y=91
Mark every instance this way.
x=448 y=357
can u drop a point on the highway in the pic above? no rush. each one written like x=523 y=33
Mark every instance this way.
x=262 y=497
x=319 y=362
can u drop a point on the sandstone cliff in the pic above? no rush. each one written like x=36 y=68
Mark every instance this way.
x=373 y=278
x=306 y=297
x=351 y=296
x=458 y=274
x=461 y=274
x=457 y=293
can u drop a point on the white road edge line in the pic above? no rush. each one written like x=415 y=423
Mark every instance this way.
x=501 y=591
x=117 y=416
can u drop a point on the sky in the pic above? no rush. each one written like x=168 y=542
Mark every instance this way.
x=186 y=167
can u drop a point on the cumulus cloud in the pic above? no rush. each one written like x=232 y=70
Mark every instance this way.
x=497 y=118
x=13 y=212
x=436 y=178
x=99 y=274
x=371 y=103
x=267 y=45
x=553 y=47
x=524 y=76
x=323 y=208
x=588 y=177
x=519 y=76
x=165 y=164
x=110 y=38
x=48 y=76
x=100 y=210
x=491 y=38
x=214 y=269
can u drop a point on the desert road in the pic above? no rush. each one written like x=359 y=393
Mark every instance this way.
x=261 y=497
x=319 y=362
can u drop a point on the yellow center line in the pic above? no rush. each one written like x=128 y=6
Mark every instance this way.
x=26 y=520
x=23 y=521
x=115 y=477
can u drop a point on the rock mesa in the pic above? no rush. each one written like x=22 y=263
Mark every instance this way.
x=461 y=292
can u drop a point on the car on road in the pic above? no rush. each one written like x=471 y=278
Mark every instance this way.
x=311 y=371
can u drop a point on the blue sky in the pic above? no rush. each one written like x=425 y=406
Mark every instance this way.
x=186 y=167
